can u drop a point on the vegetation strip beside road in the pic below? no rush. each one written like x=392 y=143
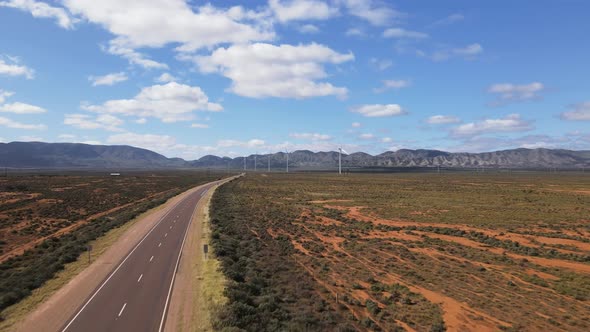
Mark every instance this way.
x=267 y=290
x=199 y=286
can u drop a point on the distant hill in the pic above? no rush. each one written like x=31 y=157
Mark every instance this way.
x=76 y=155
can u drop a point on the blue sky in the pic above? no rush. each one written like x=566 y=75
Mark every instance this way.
x=190 y=78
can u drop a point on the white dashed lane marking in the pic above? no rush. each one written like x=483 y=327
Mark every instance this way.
x=121 y=312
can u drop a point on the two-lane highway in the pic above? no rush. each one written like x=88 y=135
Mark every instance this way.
x=136 y=295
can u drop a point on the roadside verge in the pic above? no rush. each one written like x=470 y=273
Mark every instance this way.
x=198 y=289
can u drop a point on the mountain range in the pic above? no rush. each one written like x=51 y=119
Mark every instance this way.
x=77 y=155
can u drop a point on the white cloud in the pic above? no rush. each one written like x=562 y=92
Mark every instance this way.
x=103 y=121
x=4 y=94
x=17 y=107
x=386 y=140
x=253 y=143
x=292 y=10
x=118 y=47
x=380 y=64
x=374 y=12
x=473 y=49
x=199 y=125
x=578 y=112
x=141 y=121
x=109 y=79
x=453 y=18
x=21 y=108
x=163 y=22
x=30 y=138
x=11 y=66
x=510 y=123
x=403 y=33
x=355 y=32
x=309 y=28
x=17 y=125
x=284 y=71
x=92 y=142
x=508 y=92
x=43 y=10
x=170 y=147
x=146 y=141
x=393 y=85
x=366 y=136
x=166 y=78
x=379 y=110
x=443 y=119
x=171 y=102
x=66 y=137
x=164 y=144
x=468 y=52
x=356 y=125
x=485 y=143
x=311 y=136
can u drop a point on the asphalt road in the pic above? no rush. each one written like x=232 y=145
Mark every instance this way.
x=136 y=295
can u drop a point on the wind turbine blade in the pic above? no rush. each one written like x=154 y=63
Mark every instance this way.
x=342 y=150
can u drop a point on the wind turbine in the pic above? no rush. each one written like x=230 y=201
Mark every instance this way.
x=255 y=160
x=340 y=151
x=244 y=163
x=287 y=151
x=269 y=162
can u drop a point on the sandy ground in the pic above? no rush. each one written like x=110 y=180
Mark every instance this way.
x=53 y=313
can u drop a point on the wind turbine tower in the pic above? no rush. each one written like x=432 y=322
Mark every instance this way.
x=287 y=151
x=269 y=162
x=340 y=151
x=244 y=163
x=255 y=160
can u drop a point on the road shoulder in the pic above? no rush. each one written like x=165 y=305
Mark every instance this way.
x=199 y=284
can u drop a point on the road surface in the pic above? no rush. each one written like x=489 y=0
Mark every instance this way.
x=136 y=295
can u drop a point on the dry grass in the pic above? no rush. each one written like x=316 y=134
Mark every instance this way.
x=209 y=282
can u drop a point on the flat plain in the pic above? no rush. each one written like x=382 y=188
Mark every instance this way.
x=417 y=252
x=47 y=220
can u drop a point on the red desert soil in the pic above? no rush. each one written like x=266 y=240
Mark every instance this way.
x=577 y=267
x=457 y=315
x=354 y=212
x=583 y=192
x=21 y=248
x=552 y=240
x=299 y=247
x=331 y=201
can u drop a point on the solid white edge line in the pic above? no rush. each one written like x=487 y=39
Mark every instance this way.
x=176 y=268
x=118 y=267
x=121 y=312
